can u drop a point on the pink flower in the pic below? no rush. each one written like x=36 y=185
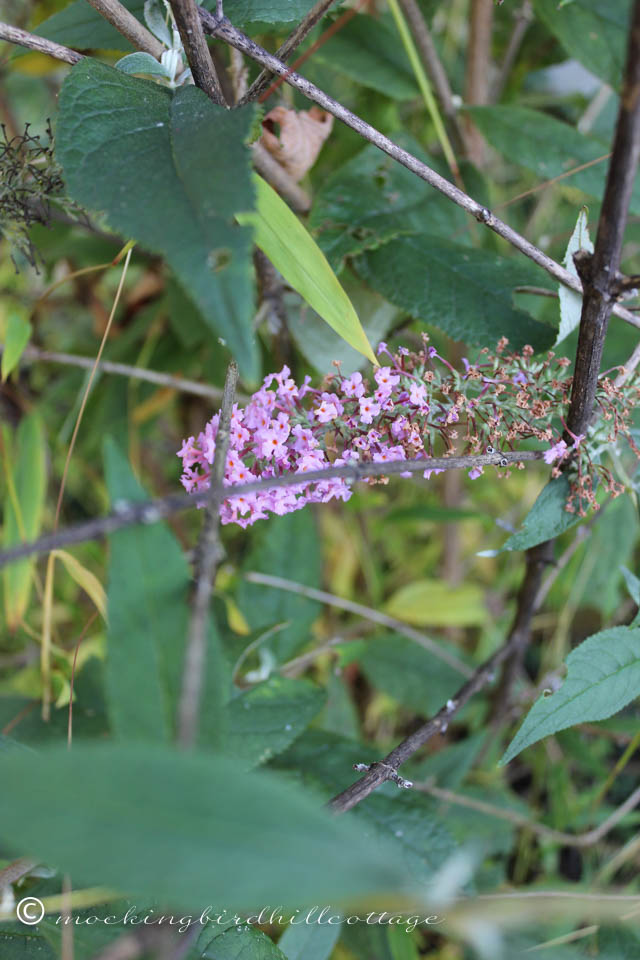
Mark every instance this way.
x=326 y=412
x=353 y=386
x=368 y=409
x=476 y=472
x=555 y=452
x=417 y=394
x=386 y=379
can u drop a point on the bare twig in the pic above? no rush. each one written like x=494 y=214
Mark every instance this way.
x=126 y=370
x=223 y=28
x=131 y=28
x=275 y=174
x=209 y=557
x=24 y=39
x=16 y=870
x=374 y=616
x=588 y=839
x=283 y=53
x=185 y=13
x=599 y=272
x=433 y=65
x=151 y=511
x=524 y=17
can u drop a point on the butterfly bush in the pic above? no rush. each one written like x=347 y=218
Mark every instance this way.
x=415 y=405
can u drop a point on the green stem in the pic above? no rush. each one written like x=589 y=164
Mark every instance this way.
x=423 y=83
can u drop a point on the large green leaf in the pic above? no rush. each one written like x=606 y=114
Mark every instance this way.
x=547 y=518
x=591 y=31
x=372 y=198
x=265 y=719
x=309 y=941
x=293 y=251
x=25 y=462
x=412 y=675
x=158 y=166
x=79 y=25
x=149 y=582
x=603 y=676
x=367 y=50
x=16 y=337
x=24 y=943
x=547 y=146
x=235 y=943
x=463 y=291
x=288 y=545
x=187 y=828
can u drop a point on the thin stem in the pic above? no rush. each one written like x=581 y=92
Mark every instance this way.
x=374 y=616
x=29 y=40
x=130 y=27
x=588 y=839
x=210 y=556
x=435 y=69
x=478 y=72
x=185 y=13
x=235 y=38
x=283 y=53
x=152 y=511
x=425 y=89
x=520 y=27
x=126 y=370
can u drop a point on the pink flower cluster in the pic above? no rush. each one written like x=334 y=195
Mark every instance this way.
x=416 y=406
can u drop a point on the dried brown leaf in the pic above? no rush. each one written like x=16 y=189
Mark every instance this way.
x=298 y=143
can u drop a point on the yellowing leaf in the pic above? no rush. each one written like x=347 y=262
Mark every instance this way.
x=433 y=603
x=25 y=475
x=293 y=251
x=85 y=579
x=15 y=339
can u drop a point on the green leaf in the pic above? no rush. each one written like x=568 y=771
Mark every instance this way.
x=412 y=675
x=611 y=544
x=235 y=943
x=432 y=513
x=434 y=603
x=267 y=718
x=547 y=518
x=309 y=941
x=26 y=466
x=465 y=292
x=570 y=301
x=289 y=545
x=148 y=586
x=17 y=334
x=603 y=676
x=590 y=31
x=421 y=842
x=123 y=812
x=321 y=347
x=141 y=63
x=156 y=165
x=82 y=27
x=367 y=50
x=18 y=942
x=547 y=146
x=372 y=198
x=293 y=251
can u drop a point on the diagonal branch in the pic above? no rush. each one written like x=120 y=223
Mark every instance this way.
x=283 y=53
x=185 y=13
x=29 y=40
x=221 y=27
x=210 y=556
x=129 y=26
x=151 y=511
